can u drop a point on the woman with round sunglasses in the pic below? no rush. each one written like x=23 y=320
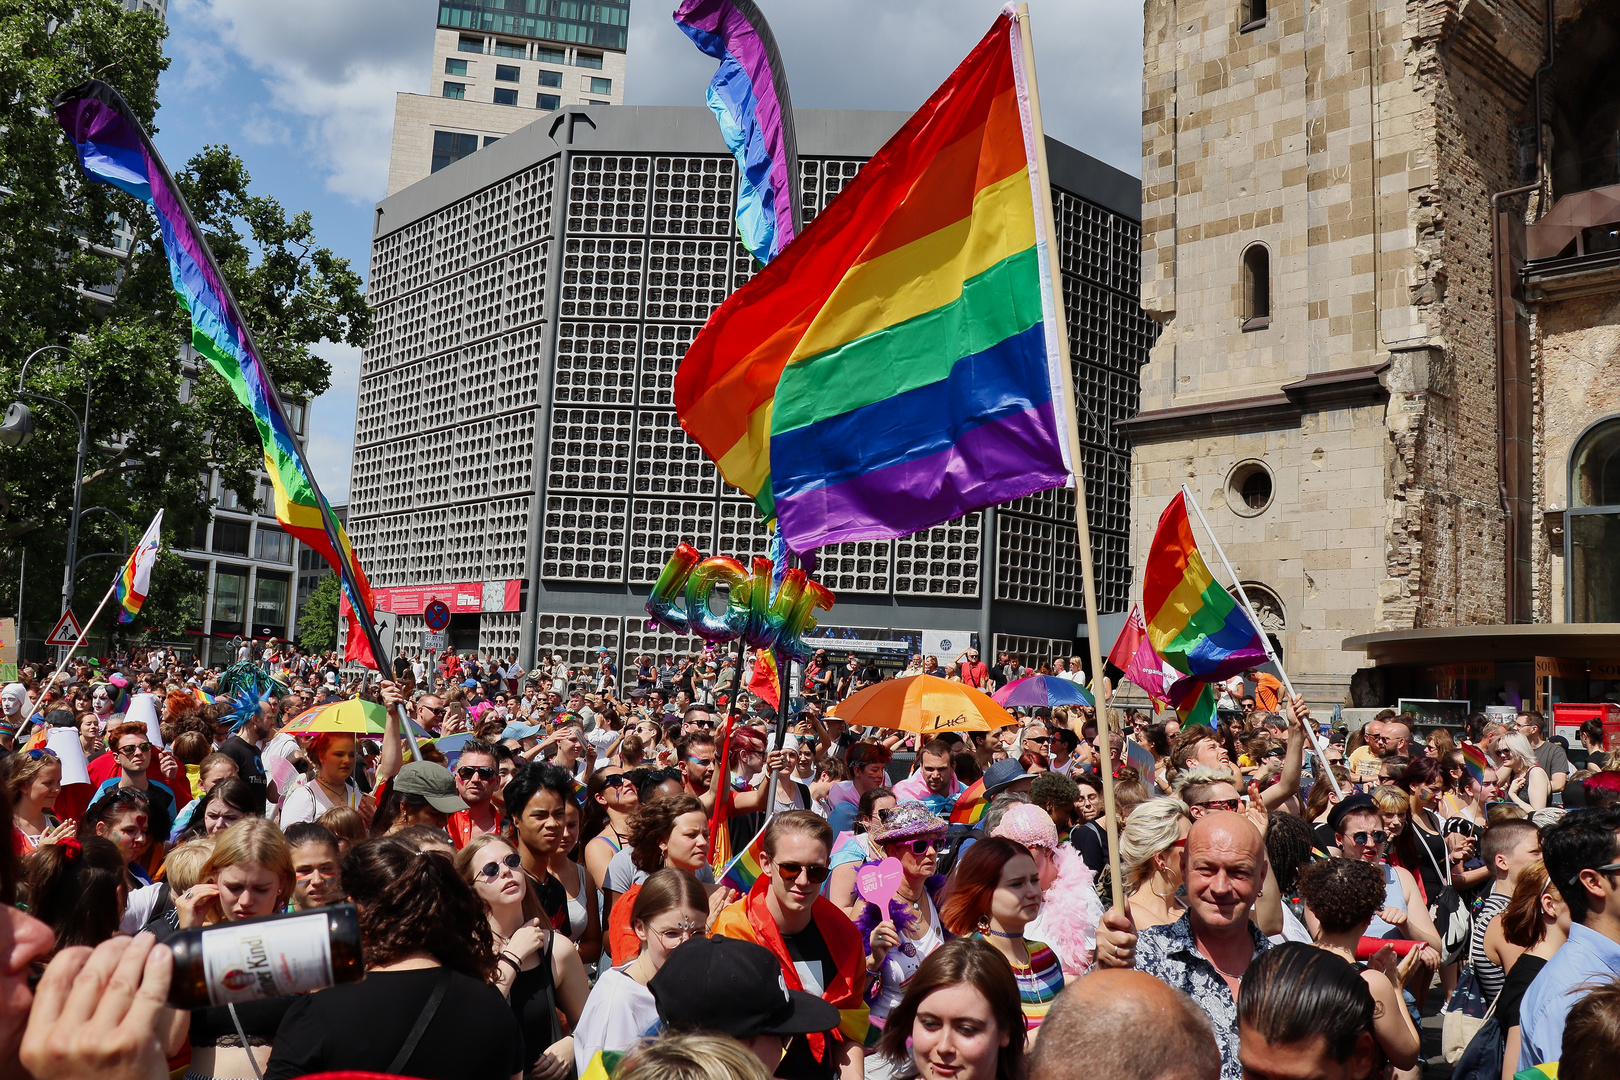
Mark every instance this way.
x=34 y=780
x=670 y=908
x=537 y=969
x=899 y=940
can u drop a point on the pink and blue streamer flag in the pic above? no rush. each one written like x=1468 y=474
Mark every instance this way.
x=749 y=97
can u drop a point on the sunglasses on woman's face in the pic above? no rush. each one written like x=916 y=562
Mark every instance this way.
x=492 y=870
x=790 y=871
x=922 y=847
x=1219 y=804
x=1362 y=839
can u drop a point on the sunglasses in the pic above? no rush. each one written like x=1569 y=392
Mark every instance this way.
x=483 y=772
x=1038 y=739
x=136 y=748
x=35 y=755
x=790 y=871
x=1362 y=839
x=1219 y=804
x=922 y=847
x=617 y=780
x=492 y=870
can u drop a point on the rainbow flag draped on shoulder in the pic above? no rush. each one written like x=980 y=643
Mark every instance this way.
x=899 y=364
x=114 y=149
x=1193 y=623
x=136 y=578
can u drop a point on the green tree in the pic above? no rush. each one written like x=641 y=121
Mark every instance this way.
x=318 y=618
x=163 y=421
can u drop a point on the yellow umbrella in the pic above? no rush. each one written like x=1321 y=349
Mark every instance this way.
x=355 y=716
x=925 y=703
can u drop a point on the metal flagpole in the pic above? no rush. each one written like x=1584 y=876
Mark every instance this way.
x=1248 y=609
x=1043 y=186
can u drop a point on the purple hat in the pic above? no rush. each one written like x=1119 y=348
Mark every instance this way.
x=907 y=821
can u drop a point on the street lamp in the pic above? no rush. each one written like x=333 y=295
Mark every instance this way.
x=18 y=428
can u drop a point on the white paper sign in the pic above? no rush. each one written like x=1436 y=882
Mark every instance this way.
x=143 y=710
x=64 y=742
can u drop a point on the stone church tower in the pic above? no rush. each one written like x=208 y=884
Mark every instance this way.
x=1391 y=310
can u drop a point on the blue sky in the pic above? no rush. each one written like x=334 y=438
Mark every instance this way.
x=303 y=91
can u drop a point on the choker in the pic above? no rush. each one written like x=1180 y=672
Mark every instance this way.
x=999 y=934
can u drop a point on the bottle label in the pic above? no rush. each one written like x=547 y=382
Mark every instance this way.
x=267 y=959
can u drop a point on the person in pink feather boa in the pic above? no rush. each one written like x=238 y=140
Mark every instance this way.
x=1070 y=909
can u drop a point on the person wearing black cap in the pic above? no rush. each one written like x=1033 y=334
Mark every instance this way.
x=1359 y=828
x=736 y=988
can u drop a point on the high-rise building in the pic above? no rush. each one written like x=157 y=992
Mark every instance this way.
x=517 y=452
x=494 y=63
x=1380 y=238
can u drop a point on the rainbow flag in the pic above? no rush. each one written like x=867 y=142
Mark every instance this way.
x=1194 y=701
x=749 y=97
x=899 y=365
x=1475 y=761
x=136 y=577
x=114 y=149
x=970 y=804
x=1193 y=623
x=744 y=870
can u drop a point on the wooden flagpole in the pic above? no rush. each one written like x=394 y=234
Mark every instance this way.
x=1265 y=642
x=1043 y=191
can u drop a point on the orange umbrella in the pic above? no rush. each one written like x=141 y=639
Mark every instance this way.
x=925 y=703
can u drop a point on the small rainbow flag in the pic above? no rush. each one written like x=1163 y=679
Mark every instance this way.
x=744 y=870
x=970 y=805
x=1192 y=622
x=1475 y=761
x=136 y=578
x=765 y=681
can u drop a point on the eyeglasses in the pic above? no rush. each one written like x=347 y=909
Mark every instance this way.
x=617 y=780
x=790 y=871
x=1219 y=804
x=1362 y=839
x=136 y=748
x=483 y=772
x=492 y=870
x=676 y=935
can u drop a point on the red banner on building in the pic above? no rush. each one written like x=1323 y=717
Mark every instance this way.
x=463 y=598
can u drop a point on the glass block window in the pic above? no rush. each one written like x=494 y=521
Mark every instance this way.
x=687 y=279
x=602 y=278
x=596 y=363
x=1023 y=553
x=590 y=450
x=942 y=561
x=576 y=638
x=860 y=567
x=584 y=538
x=608 y=194
x=658 y=525
x=667 y=461
x=692 y=196
x=665 y=345
x=1032 y=652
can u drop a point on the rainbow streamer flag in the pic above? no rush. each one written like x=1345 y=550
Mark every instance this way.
x=114 y=149
x=749 y=97
x=136 y=577
x=970 y=804
x=1193 y=623
x=899 y=365
x=744 y=870
x=765 y=682
x=1475 y=761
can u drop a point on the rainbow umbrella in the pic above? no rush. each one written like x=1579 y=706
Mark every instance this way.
x=1042 y=692
x=925 y=703
x=355 y=716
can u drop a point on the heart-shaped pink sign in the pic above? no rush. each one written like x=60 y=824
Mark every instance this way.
x=878 y=882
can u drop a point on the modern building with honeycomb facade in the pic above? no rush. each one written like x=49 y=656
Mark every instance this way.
x=517 y=453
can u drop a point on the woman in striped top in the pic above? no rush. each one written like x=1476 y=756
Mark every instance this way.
x=995 y=894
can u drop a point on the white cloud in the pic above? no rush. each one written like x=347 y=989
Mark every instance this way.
x=331 y=422
x=333 y=68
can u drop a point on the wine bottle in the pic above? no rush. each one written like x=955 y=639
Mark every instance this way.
x=254 y=959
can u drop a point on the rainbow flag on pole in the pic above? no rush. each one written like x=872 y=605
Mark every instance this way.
x=744 y=870
x=749 y=97
x=970 y=804
x=136 y=579
x=114 y=149
x=900 y=364
x=1193 y=623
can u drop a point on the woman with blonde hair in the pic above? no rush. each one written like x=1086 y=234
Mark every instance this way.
x=1527 y=783
x=33 y=779
x=1150 y=856
x=248 y=874
x=692 y=1056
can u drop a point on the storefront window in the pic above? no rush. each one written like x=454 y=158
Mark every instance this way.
x=270 y=605
x=230 y=599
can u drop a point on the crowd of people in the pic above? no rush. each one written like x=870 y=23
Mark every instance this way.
x=539 y=891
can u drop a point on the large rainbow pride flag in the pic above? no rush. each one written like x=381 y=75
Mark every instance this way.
x=898 y=365
x=749 y=97
x=1197 y=626
x=114 y=149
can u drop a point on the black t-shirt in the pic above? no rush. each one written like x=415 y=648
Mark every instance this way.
x=1325 y=836
x=1519 y=977
x=816 y=969
x=534 y=1003
x=362 y=1026
x=248 y=762
x=1089 y=840
x=401 y=666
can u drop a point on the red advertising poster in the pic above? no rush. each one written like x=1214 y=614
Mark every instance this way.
x=463 y=597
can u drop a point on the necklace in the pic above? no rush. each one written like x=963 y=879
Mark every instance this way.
x=1225 y=974
x=999 y=934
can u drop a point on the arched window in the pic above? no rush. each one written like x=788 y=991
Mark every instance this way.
x=1592 y=532
x=1256 y=287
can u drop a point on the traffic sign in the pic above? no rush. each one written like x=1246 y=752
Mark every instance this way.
x=433 y=642
x=66 y=631
x=436 y=615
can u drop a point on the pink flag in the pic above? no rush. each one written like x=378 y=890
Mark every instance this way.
x=1133 y=654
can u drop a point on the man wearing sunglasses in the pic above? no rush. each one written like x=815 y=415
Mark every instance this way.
x=1582 y=856
x=818 y=948
x=134 y=754
x=1359 y=828
x=477 y=782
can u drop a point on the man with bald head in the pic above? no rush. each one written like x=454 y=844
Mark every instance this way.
x=1081 y=1037
x=1205 y=952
